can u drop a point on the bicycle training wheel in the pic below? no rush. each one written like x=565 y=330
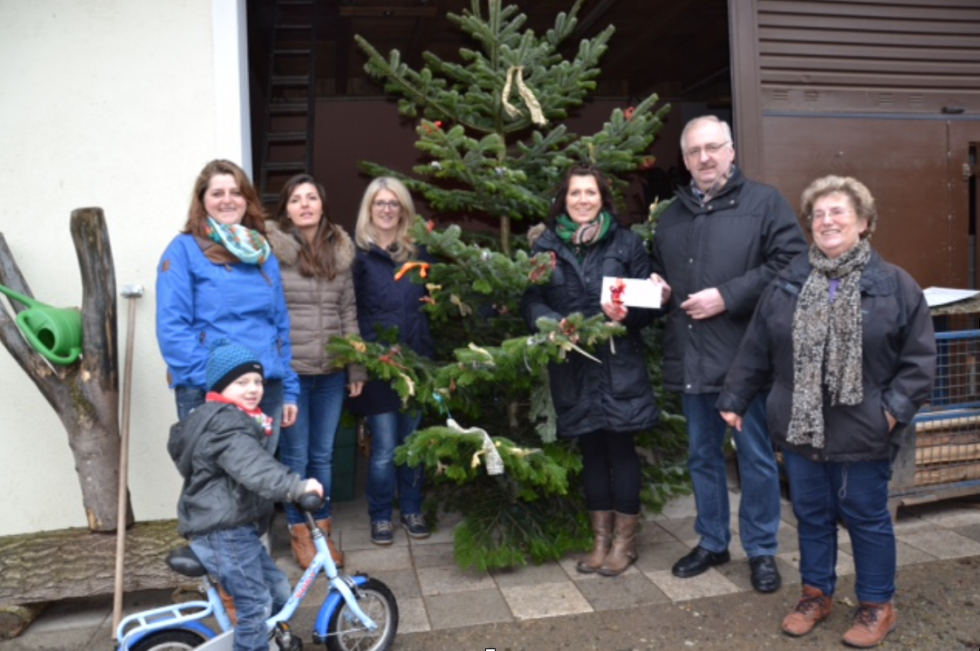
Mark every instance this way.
x=346 y=633
x=172 y=640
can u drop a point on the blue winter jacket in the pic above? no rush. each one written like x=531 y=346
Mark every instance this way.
x=199 y=302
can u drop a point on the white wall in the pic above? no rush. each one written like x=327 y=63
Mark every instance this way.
x=108 y=103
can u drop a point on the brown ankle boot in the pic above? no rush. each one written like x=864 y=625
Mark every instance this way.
x=229 y=604
x=602 y=522
x=872 y=622
x=623 y=551
x=335 y=554
x=302 y=544
x=812 y=608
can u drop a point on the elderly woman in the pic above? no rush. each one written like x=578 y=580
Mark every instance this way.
x=846 y=340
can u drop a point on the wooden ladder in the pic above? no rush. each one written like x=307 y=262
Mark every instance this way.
x=287 y=145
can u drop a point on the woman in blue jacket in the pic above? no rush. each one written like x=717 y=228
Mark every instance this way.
x=218 y=279
x=383 y=246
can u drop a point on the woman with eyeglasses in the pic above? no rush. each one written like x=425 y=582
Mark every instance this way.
x=846 y=341
x=383 y=246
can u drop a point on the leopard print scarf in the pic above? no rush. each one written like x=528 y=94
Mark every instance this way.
x=827 y=342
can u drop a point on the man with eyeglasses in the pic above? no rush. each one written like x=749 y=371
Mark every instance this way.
x=715 y=249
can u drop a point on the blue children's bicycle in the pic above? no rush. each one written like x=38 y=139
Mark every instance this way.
x=358 y=614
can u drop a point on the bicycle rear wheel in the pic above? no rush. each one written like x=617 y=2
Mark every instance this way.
x=172 y=640
x=346 y=633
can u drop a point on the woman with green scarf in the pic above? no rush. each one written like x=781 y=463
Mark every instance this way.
x=604 y=405
x=218 y=279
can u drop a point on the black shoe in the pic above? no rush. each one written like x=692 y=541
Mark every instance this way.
x=699 y=561
x=765 y=574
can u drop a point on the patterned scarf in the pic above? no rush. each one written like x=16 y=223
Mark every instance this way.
x=265 y=422
x=827 y=344
x=579 y=237
x=245 y=244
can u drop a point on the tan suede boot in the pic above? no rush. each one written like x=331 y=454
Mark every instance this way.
x=602 y=522
x=229 y=604
x=872 y=622
x=812 y=608
x=302 y=544
x=335 y=554
x=623 y=551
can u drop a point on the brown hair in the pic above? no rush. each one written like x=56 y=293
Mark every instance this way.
x=581 y=169
x=197 y=216
x=319 y=258
x=858 y=194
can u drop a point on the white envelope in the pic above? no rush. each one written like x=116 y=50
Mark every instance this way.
x=635 y=292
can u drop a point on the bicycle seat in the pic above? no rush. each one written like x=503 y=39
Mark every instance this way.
x=184 y=561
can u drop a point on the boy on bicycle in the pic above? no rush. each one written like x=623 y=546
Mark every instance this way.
x=230 y=485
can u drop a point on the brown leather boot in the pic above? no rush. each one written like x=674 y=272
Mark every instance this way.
x=602 y=523
x=229 y=604
x=303 y=548
x=812 y=608
x=623 y=551
x=335 y=554
x=872 y=622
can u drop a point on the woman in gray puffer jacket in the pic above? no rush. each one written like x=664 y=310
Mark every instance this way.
x=315 y=258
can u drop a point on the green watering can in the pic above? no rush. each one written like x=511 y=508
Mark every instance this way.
x=55 y=333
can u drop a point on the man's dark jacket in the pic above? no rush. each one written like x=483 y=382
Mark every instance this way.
x=737 y=243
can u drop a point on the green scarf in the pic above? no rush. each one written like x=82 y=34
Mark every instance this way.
x=245 y=244
x=579 y=237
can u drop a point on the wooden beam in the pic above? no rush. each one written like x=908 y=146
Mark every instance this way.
x=389 y=12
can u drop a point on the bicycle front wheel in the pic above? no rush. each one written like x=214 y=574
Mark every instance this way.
x=171 y=640
x=346 y=633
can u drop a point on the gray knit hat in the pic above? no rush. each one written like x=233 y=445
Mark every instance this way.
x=227 y=362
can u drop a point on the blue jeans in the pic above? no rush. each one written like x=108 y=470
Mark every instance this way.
x=237 y=559
x=190 y=398
x=388 y=431
x=758 y=513
x=307 y=446
x=823 y=492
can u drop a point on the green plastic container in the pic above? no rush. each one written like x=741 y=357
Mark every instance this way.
x=344 y=464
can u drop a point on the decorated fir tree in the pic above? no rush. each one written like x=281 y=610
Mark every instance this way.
x=490 y=126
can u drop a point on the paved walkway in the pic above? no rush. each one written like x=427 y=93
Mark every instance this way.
x=433 y=593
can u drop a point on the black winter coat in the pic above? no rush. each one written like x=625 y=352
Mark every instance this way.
x=230 y=480
x=384 y=302
x=616 y=395
x=737 y=243
x=898 y=363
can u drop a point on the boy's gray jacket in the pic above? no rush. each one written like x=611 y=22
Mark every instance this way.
x=230 y=479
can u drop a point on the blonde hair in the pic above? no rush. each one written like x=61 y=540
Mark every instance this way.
x=364 y=234
x=858 y=194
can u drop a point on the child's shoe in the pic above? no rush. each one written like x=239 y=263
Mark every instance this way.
x=415 y=526
x=382 y=532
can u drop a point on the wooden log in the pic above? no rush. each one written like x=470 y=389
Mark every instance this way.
x=950 y=421
x=947 y=454
x=56 y=565
x=947 y=438
x=946 y=475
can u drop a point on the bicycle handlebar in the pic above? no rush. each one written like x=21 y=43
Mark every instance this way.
x=310 y=502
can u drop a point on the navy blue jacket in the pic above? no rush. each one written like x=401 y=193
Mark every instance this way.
x=616 y=395
x=384 y=302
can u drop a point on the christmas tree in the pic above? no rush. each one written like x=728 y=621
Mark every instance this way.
x=491 y=129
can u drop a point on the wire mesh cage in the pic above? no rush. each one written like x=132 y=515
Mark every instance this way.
x=945 y=435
